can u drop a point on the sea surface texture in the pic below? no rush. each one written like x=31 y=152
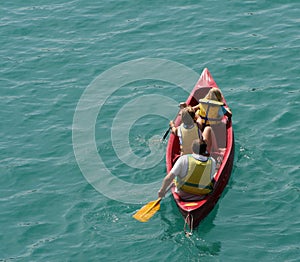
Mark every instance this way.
x=87 y=91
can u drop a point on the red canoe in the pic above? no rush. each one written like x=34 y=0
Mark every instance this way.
x=195 y=211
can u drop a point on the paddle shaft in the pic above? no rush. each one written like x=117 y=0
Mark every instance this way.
x=182 y=105
x=167 y=132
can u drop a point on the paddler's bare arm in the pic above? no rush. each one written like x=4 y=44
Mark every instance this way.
x=165 y=184
x=228 y=112
x=196 y=107
x=182 y=105
x=173 y=128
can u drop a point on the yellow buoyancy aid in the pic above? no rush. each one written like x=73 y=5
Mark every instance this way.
x=209 y=111
x=187 y=138
x=198 y=178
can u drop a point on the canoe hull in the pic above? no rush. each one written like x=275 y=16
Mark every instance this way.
x=195 y=211
x=193 y=216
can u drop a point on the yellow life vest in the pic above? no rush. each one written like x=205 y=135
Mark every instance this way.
x=187 y=138
x=209 y=111
x=198 y=179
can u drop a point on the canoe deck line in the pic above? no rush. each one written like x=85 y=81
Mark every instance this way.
x=194 y=211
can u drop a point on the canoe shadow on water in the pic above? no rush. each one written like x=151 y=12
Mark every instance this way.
x=174 y=221
x=173 y=224
x=197 y=244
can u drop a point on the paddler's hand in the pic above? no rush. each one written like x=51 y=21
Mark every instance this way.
x=182 y=105
x=171 y=124
x=161 y=193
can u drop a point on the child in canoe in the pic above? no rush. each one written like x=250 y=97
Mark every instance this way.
x=211 y=109
x=189 y=130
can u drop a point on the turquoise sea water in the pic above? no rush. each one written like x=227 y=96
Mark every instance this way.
x=50 y=55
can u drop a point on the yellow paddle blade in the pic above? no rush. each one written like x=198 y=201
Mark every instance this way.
x=147 y=211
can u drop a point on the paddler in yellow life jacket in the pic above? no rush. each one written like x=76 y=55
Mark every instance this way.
x=211 y=109
x=189 y=130
x=193 y=174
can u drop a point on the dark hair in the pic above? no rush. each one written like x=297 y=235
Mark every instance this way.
x=199 y=147
x=188 y=115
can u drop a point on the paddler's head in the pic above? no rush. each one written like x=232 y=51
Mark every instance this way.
x=214 y=94
x=188 y=116
x=199 y=147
